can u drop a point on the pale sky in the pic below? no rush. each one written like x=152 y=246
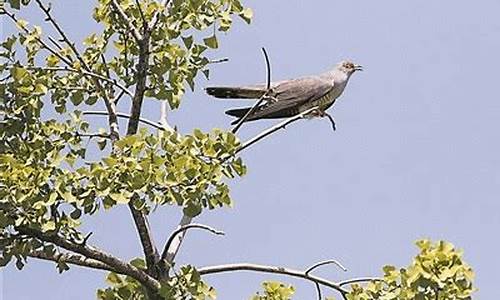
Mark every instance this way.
x=415 y=154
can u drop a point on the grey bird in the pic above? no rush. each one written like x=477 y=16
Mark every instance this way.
x=290 y=97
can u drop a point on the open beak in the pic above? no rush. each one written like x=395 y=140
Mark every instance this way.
x=358 y=68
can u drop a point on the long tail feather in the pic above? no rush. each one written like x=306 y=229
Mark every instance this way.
x=236 y=92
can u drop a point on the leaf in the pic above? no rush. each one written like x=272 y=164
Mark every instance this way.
x=77 y=98
x=247 y=15
x=18 y=73
x=119 y=198
x=188 y=41
x=48 y=226
x=40 y=89
x=16 y=4
x=211 y=42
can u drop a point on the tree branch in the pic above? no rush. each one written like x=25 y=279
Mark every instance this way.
x=326 y=262
x=44 y=44
x=140 y=219
x=84 y=72
x=156 y=16
x=122 y=115
x=72 y=259
x=163 y=117
x=130 y=26
x=176 y=242
x=110 y=105
x=273 y=270
x=273 y=129
x=319 y=264
x=58 y=28
x=261 y=99
x=93 y=253
x=357 y=280
x=144 y=21
x=182 y=229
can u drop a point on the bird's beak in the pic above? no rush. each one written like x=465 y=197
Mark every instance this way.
x=358 y=68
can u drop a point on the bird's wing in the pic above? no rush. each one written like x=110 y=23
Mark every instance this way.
x=291 y=94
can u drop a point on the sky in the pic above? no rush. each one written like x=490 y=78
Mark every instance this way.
x=415 y=154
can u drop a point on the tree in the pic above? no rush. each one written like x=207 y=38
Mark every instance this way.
x=49 y=186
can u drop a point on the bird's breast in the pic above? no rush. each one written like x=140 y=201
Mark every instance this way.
x=323 y=102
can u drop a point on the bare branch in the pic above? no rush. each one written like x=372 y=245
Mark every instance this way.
x=275 y=128
x=93 y=135
x=122 y=115
x=176 y=242
x=261 y=99
x=218 y=61
x=143 y=229
x=96 y=254
x=163 y=116
x=332 y=121
x=182 y=229
x=361 y=279
x=322 y=263
x=271 y=269
x=326 y=262
x=130 y=26
x=73 y=259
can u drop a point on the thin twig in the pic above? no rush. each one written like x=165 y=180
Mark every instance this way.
x=144 y=21
x=218 y=61
x=332 y=121
x=122 y=115
x=93 y=135
x=55 y=43
x=44 y=44
x=84 y=72
x=361 y=279
x=271 y=130
x=183 y=229
x=261 y=99
x=138 y=37
x=270 y=269
x=176 y=243
x=326 y=262
x=63 y=35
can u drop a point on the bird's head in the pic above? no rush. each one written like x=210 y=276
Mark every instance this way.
x=349 y=67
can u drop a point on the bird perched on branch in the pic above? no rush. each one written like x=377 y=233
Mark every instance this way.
x=290 y=97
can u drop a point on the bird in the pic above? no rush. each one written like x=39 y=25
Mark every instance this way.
x=289 y=98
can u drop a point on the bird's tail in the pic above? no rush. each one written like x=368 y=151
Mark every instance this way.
x=249 y=92
x=238 y=113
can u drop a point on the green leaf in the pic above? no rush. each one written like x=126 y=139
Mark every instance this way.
x=16 y=4
x=211 y=42
x=119 y=198
x=247 y=15
x=40 y=89
x=77 y=98
x=188 y=41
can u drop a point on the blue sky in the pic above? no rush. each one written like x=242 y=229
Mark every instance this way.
x=415 y=154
